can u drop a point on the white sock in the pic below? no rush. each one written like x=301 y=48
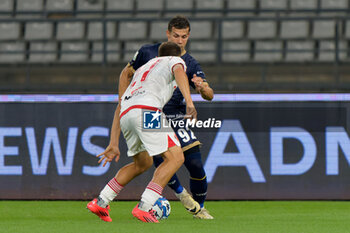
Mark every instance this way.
x=109 y=192
x=150 y=196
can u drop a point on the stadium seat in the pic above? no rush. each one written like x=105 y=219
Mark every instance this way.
x=201 y=29
x=303 y=4
x=273 y=4
x=132 y=30
x=6 y=5
x=10 y=31
x=49 y=50
x=75 y=52
x=90 y=5
x=120 y=5
x=59 y=5
x=232 y=29
x=242 y=52
x=177 y=6
x=334 y=4
x=131 y=48
x=248 y=5
x=262 y=53
x=209 y=5
x=203 y=51
x=261 y=29
x=347 y=29
x=158 y=30
x=330 y=55
x=294 y=29
x=323 y=29
x=113 y=49
x=16 y=49
x=95 y=30
x=149 y=5
x=38 y=31
x=70 y=30
x=298 y=55
x=30 y=5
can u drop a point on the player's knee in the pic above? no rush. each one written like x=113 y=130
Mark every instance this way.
x=144 y=165
x=197 y=165
x=179 y=158
x=149 y=163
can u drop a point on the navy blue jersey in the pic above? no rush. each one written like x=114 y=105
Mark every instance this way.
x=175 y=105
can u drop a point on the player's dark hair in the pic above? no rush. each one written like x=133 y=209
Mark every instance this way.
x=169 y=49
x=179 y=22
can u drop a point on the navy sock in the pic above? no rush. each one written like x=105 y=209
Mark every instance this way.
x=198 y=179
x=174 y=182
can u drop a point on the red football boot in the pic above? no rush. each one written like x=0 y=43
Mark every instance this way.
x=144 y=216
x=102 y=213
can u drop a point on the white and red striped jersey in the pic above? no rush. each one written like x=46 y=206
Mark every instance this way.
x=153 y=83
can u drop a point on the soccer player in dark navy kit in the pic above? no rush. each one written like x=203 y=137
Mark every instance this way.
x=179 y=32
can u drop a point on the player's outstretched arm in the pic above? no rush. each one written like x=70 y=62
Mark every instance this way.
x=125 y=78
x=182 y=83
x=203 y=88
x=112 y=150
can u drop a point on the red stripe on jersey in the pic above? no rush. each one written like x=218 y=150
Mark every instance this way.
x=139 y=106
x=147 y=72
x=171 y=143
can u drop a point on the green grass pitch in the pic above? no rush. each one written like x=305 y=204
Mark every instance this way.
x=230 y=216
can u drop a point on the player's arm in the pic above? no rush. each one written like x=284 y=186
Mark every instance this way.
x=112 y=150
x=125 y=79
x=203 y=88
x=182 y=83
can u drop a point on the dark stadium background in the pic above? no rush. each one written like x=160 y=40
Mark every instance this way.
x=263 y=47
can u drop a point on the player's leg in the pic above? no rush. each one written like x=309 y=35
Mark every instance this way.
x=174 y=182
x=198 y=180
x=141 y=162
x=173 y=159
x=187 y=140
x=100 y=206
x=180 y=192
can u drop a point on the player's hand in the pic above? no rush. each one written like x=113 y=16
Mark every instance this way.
x=109 y=154
x=198 y=82
x=191 y=112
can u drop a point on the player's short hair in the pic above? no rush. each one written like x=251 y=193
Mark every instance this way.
x=179 y=22
x=169 y=49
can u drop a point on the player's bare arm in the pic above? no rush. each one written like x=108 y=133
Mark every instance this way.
x=203 y=88
x=112 y=150
x=181 y=80
x=125 y=79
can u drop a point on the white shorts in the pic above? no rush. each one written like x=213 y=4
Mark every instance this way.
x=138 y=139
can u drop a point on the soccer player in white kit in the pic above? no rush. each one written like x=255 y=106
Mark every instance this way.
x=151 y=88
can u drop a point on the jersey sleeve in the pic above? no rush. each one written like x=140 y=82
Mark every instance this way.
x=138 y=59
x=198 y=71
x=194 y=69
x=174 y=61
